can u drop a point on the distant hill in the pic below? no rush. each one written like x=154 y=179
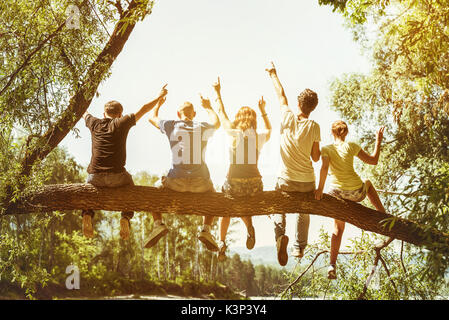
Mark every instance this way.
x=267 y=255
x=262 y=255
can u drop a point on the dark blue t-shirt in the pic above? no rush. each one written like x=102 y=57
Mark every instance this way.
x=188 y=141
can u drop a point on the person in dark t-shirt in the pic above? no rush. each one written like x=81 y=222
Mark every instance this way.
x=189 y=172
x=107 y=164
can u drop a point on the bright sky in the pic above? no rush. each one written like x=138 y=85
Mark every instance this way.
x=187 y=44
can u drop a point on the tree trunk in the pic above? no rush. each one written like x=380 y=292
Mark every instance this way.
x=154 y=200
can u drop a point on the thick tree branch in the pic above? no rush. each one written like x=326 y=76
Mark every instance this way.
x=154 y=200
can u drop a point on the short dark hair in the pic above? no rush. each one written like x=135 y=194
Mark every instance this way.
x=113 y=108
x=307 y=101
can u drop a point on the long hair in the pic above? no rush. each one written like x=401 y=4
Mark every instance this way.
x=246 y=118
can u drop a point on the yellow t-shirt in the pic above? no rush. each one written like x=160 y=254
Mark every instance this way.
x=297 y=138
x=341 y=165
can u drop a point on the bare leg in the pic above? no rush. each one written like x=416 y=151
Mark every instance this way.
x=208 y=220
x=248 y=222
x=156 y=216
x=339 y=227
x=224 y=225
x=374 y=197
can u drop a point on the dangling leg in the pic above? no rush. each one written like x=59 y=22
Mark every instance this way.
x=224 y=226
x=206 y=236
x=339 y=227
x=302 y=234
x=251 y=236
x=281 y=238
x=88 y=229
x=159 y=230
x=125 y=224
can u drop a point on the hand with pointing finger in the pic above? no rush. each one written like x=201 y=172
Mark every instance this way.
x=205 y=103
x=271 y=69
x=163 y=92
x=217 y=86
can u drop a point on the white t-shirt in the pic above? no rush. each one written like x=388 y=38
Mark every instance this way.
x=297 y=138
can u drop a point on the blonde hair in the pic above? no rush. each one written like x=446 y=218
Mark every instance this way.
x=246 y=118
x=339 y=129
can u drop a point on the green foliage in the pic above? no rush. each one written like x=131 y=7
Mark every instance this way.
x=43 y=64
x=404 y=280
x=407 y=91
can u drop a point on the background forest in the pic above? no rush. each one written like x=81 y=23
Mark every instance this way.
x=48 y=79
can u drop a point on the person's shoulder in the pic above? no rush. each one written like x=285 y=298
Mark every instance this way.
x=328 y=147
x=313 y=123
x=353 y=144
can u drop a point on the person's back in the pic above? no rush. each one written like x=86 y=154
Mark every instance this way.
x=244 y=153
x=109 y=143
x=188 y=142
x=297 y=139
x=341 y=164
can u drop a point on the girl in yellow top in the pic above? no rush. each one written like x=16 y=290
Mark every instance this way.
x=345 y=182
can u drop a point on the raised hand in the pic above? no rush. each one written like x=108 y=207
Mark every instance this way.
x=205 y=103
x=271 y=69
x=380 y=135
x=163 y=92
x=262 y=105
x=217 y=85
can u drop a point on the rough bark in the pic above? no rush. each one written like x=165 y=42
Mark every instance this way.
x=154 y=200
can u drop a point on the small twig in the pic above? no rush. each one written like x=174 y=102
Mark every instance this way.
x=310 y=265
x=377 y=248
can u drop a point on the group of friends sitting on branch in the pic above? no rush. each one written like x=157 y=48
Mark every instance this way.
x=299 y=146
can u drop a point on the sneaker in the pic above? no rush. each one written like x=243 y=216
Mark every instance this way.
x=298 y=253
x=158 y=232
x=208 y=240
x=124 y=228
x=88 y=229
x=222 y=252
x=251 y=238
x=332 y=272
x=281 y=245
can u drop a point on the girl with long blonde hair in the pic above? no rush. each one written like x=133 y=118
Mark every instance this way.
x=243 y=178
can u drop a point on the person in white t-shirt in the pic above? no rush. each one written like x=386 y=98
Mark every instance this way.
x=299 y=145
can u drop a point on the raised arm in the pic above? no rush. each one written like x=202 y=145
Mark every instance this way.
x=374 y=157
x=323 y=176
x=150 y=105
x=227 y=124
x=214 y=121
x=277 y=85
x=154 y=116
x=266 y=121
